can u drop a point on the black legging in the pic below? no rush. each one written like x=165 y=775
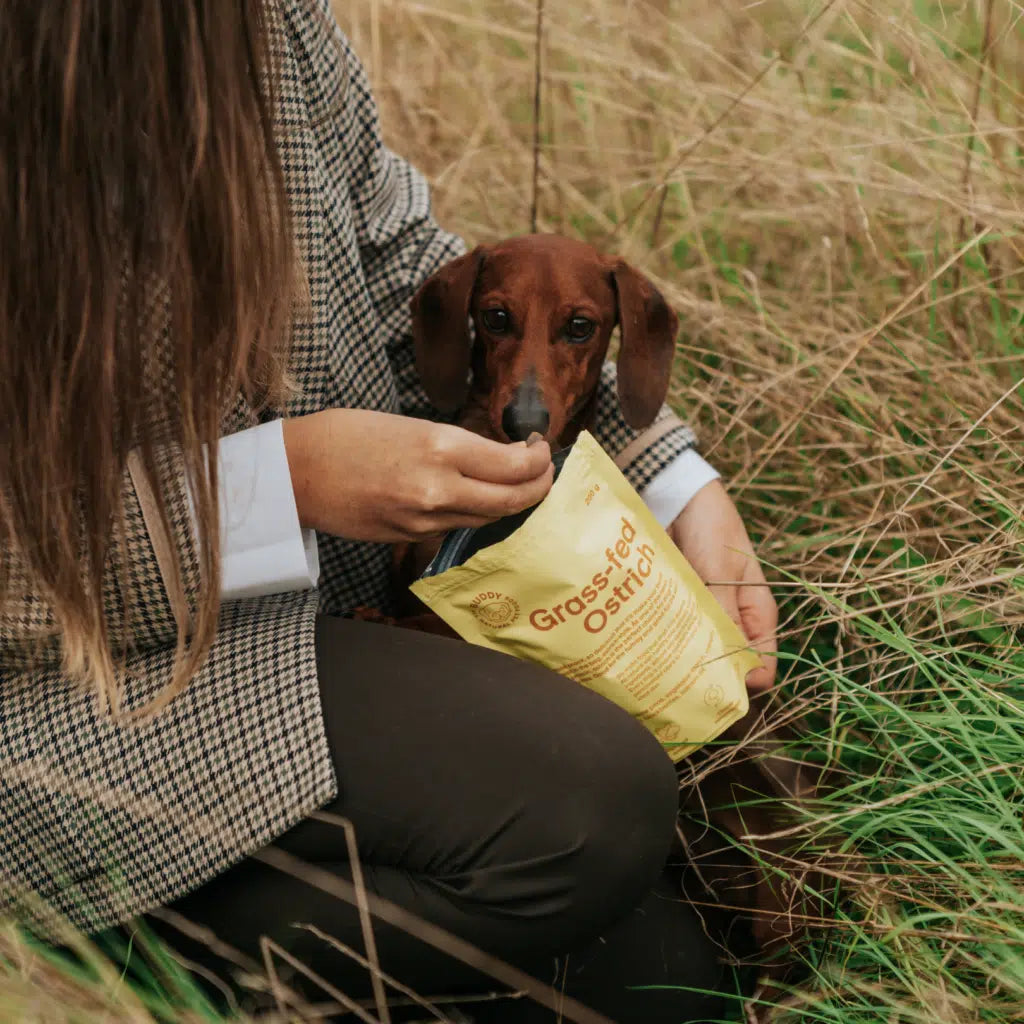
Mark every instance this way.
x=502 y=802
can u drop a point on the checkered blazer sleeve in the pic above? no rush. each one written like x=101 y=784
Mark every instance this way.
x=400 y=242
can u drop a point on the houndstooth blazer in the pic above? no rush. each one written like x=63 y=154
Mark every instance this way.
x=103 y=820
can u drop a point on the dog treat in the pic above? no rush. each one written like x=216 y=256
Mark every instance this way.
x=592 y=586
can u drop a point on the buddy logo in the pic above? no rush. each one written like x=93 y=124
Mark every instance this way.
x=495 y=610
x=714 y=695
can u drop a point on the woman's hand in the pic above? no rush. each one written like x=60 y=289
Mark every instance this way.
x=380 y=477
x=711 y=535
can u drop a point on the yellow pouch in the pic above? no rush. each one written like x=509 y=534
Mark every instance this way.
x=592 y=586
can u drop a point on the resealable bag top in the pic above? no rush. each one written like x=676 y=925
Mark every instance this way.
x=590 y=585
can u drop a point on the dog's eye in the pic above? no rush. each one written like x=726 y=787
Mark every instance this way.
x=579 y=328
x=497 y=321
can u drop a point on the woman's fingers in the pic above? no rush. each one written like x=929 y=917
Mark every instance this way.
x=760 y=618
x=478 y=458
x=494 y=500
x=753 y=609
x=725 y=594
x=380 y=477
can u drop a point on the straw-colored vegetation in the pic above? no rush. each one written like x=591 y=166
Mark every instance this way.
x=831 y=194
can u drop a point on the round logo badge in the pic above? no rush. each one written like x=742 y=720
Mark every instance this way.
x=495 y=610
x=714 y=695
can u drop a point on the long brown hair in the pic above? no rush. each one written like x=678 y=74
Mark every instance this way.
x=143 y=228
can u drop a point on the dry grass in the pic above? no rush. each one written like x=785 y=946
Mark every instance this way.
x=831 y=195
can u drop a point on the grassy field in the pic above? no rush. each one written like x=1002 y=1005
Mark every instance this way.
x=832 y=194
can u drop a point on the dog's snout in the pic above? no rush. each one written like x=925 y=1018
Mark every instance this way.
x=526 y=413
x=519 y=427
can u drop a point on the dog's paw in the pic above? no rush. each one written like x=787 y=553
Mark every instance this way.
x=366 y=614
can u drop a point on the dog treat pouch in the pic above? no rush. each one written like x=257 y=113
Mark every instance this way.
x=590 y=585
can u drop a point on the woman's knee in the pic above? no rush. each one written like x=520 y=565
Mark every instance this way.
x=513 y=789
x=626 y=813
x=593 y=832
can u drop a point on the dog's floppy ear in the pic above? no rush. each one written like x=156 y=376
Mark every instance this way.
x=440 y=330
x=646 y=348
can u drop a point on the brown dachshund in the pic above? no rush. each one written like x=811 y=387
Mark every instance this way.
x=543 y=309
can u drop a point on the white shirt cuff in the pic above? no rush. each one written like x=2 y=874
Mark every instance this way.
x=263 y=549
x=670 y=490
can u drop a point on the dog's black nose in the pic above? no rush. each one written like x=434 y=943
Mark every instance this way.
x=526 y=413
x=519 y=427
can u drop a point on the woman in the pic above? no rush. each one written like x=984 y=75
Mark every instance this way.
x=206 y=353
